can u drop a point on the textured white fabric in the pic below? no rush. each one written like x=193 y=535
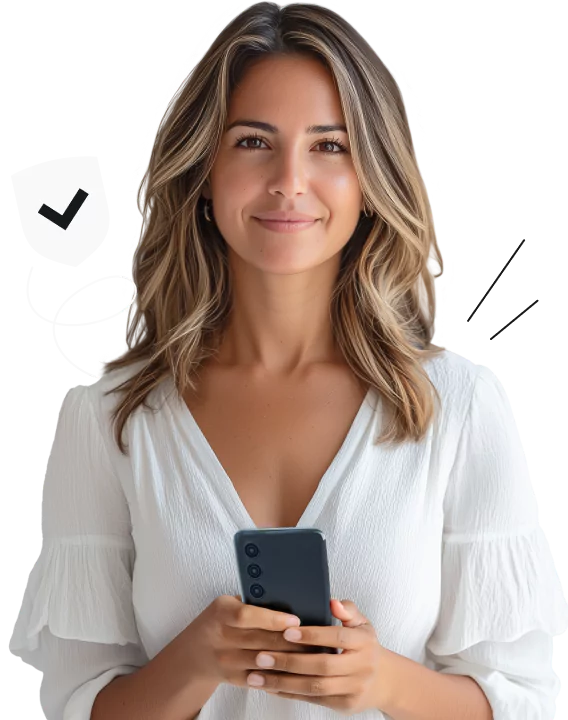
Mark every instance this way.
x=437 y=542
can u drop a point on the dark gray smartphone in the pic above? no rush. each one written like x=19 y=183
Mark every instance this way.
x=286 y=569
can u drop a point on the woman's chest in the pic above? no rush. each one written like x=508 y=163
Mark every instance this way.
x=382 y=521
x=275 y=444
x=381 y=515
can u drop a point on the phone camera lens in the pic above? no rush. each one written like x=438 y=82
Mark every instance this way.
x=256 y=591
x=251 y=549
x=254 y=570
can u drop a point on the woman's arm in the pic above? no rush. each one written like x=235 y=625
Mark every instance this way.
x=416 y=692
x=164 y=689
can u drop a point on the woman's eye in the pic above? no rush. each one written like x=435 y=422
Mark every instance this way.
x=239 y=143
x=245 y=139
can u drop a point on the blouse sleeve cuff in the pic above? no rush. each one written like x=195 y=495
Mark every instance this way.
x=502 y=602
x=502 y=587
x=81 y=588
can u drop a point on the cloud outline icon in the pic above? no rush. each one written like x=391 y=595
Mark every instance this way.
x=53 y=321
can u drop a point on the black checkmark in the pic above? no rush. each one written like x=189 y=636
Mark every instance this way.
x=72 y=209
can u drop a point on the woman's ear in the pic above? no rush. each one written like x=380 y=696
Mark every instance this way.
x=206 y=189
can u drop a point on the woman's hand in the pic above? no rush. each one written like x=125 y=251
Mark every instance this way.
x=220 y=645
x=349 y=682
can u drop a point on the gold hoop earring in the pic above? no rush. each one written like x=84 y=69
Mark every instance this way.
x=206 y=210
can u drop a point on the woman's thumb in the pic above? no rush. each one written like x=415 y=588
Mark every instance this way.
x=348 y=613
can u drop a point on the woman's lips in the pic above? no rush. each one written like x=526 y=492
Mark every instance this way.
x=288 y=226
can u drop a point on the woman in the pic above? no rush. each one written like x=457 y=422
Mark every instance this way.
x=273 y=358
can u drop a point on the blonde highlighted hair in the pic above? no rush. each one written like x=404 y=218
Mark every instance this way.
x=180 y=266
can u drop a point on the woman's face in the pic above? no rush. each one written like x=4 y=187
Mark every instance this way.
x=290 y=170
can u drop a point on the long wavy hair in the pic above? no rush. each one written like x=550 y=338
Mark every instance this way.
x=180 y=266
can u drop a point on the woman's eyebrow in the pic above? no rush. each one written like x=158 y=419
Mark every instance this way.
x=267 y=127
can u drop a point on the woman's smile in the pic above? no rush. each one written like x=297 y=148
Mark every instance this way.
x=286 y=226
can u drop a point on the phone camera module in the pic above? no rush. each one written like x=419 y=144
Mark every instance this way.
x=251 y=549
x=256 y=591
x=254 y=570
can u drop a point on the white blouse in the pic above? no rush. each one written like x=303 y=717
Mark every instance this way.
x=438 y=543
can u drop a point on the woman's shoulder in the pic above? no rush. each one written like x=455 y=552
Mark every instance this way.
x=449 y=360
x=105 y=393
x=111 y=377
x=454 y=376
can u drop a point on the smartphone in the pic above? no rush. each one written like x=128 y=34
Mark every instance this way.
x=286 y=569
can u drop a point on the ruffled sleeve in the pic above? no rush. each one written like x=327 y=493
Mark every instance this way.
x=502 y=600
x=76 y=623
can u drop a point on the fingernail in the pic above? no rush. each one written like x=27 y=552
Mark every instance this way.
x=292 y=621
x=254 y=679
x=292 y=634
x=264 y=660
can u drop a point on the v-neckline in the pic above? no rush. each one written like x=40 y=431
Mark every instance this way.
x=341 y=462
